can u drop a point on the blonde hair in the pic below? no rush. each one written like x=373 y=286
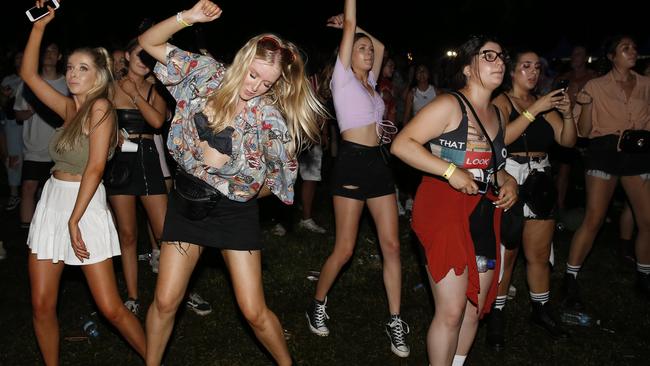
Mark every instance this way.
x=77 y=127
x=292 y=92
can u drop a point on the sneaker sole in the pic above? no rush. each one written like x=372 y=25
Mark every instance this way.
x=320 y=333
x=199 y=312
x=399 y=353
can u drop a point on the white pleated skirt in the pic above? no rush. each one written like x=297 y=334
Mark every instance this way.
x=49 y=237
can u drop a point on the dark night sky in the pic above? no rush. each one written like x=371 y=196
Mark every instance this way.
x=547 y=26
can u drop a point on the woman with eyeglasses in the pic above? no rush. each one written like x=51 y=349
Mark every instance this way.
x=361 y=175
x=534 y=125
x=609 y=105
x=454 y=214
x=235 y=136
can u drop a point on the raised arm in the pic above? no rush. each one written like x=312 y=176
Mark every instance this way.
x=154 y=40
x=348 y=22
x=29 y=70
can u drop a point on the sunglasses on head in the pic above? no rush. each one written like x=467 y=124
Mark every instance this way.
x=272 y=44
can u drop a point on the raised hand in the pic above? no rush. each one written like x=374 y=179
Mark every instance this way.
x=46 y=19
x=203 y=11
x=335 y=21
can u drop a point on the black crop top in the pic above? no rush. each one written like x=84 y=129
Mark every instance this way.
x=133 y=121
x=539 y=134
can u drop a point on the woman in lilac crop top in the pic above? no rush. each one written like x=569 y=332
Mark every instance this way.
x=72 y=224
x=361 y=174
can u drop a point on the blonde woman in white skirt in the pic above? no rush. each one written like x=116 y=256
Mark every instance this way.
x=72 y=224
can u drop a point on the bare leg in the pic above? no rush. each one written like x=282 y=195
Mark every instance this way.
x=638 y=193
x=538 y=235
x=471 y=317
x=562 y=183
x=28 y=200
x=626 y=222
x=384 y=213
x=509 y=260
x=347 y=212
x=307 y=195
x=177 y=261
x=127 y=229
x=156 y=207
x=599 y=193
x=44 y=279
x=101 y=280
x=449 y=296
x=246 y=273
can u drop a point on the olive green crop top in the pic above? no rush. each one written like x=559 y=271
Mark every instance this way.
x=73 y=161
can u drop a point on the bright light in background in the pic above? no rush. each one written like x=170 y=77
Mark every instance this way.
x=589 y=59
x=409 y=56
x=452 y=53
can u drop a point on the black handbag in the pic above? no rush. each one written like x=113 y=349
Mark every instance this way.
x=117 y=173
x=538 y=190
x=634 y=141
x=512 y=226
x=195 y=199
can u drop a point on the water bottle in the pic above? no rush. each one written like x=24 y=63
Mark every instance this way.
x=483 y=263
x=90 y=329
x=576 y=318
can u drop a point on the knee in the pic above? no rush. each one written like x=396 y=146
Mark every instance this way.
x=43 y=307
x=450 y=318
x=593 y=221
x=166 y=304
x=343 y=255
x=113 y=313
x=255 y=315
x=128 y=238
x=390 y=249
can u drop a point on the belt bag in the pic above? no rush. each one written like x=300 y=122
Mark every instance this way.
x=634 y=141
x=539 y=193
x=196 y=198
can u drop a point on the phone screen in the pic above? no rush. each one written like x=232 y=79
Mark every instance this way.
x=38 y=13
x=482 y=186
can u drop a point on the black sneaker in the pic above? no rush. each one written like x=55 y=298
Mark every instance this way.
x=496 y=325
x=316 y=317
x=643 y=283
x=544 y=316
x=397 y=329
x=571 y=293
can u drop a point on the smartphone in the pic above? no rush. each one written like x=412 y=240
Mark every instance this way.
x=562 y=84
x=35 y=13
x=482 y=186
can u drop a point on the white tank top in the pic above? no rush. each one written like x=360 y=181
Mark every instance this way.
x=422 y=98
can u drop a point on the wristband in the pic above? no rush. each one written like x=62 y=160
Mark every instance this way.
x=450 y=170
x=180 y=20
x=529 y=116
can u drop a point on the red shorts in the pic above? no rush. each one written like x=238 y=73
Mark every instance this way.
x=441 y=222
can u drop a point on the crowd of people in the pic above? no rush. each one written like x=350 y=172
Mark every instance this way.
x=478 y=158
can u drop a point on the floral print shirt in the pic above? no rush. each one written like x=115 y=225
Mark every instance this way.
x=259 y=140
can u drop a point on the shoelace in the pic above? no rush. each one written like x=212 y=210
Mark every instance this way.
x=397 y=330
x=320 y=315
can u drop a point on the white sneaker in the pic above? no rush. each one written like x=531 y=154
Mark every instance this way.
x=154 y=261
x=311 y=225
x=3 y=252
x=133 y=305
x=400 y=209
x=197 y=304
x=279 y=230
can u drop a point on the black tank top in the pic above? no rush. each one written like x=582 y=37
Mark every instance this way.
x=539 y=134
x=133 y=121
x=468 y=148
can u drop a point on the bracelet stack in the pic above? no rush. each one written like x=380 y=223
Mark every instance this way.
x=180 y=20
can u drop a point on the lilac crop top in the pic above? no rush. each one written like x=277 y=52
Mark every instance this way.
x=354 y=106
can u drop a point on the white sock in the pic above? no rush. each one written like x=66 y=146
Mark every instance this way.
x=573 y=270
x=500 y=302
x=458 y=360
x=541 y=297
x=643 y=268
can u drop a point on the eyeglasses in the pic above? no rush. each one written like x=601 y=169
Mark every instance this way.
x=271 y=44
x=491 y=55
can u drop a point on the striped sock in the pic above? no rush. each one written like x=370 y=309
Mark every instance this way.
x=573 y=270
x=643 y=268
x=541 y=297
x=500 y=302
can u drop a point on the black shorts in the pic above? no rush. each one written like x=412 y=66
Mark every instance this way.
x=37 y=170
x=146 y=175
x=360 y=173
x=602 y=154
x=236 y=226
